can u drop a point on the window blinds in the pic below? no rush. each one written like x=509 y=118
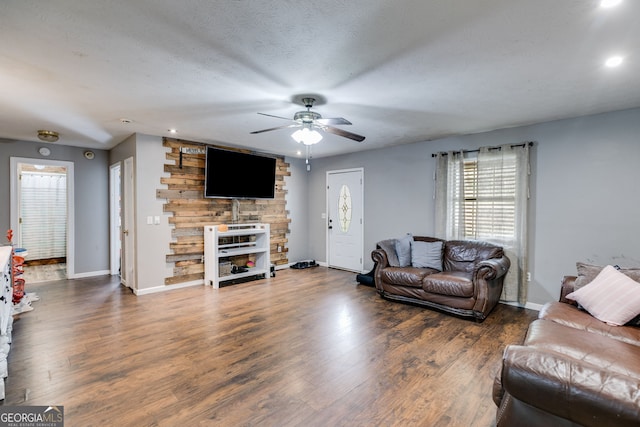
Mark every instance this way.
x=43 y=214
x=490 y=199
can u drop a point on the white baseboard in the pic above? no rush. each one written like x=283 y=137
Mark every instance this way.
x=528 y=305
x=164 y=288
x=90 y=274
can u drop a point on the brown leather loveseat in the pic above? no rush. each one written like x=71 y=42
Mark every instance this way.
x=572 y=370
x=461 y=277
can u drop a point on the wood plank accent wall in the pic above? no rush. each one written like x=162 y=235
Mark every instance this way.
x=191 y=211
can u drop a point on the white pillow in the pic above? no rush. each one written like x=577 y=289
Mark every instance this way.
x=611 y=297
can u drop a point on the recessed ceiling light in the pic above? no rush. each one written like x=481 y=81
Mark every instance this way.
x=125 y=121
x=173 y=130
x=613 y=61
x=609 y=3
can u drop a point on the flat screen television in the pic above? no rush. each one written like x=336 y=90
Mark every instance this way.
x=233 y=174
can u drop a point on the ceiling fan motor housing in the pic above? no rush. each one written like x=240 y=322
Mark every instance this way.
x=306 y=116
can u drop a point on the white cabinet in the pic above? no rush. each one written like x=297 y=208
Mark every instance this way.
x=6 y=289
x=6 y=305
x=228 y=246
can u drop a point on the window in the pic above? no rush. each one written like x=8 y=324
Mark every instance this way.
x=484 y=196
x=489 y=199
x=43 y=212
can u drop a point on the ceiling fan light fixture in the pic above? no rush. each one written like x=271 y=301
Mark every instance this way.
x=614 y=61
x=609 y=3
x=306 y=136
x=48 y=135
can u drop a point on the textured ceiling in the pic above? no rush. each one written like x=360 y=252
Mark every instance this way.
x=400 y=71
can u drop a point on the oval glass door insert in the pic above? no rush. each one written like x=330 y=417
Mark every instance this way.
x=344 y=208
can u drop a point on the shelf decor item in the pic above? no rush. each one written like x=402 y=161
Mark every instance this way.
x=225 y=268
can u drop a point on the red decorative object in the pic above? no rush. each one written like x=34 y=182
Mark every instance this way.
x=17 y=270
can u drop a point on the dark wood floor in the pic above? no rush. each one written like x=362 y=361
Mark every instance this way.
x=306 y=348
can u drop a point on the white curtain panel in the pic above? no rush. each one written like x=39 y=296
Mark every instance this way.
x=449 y=196
x=496 y=199
x=503 y=182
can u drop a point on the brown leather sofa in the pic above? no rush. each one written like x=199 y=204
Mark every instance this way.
x=571 y=370
x=468 y=284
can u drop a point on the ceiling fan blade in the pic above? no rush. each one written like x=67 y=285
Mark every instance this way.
x=277 y=117
x=334 y=121
x=275 y=128
x=343 y=133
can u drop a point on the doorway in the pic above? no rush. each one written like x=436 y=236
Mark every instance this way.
x=345 y=227
x=115 y=220
x=42 y=216
x=127 y=234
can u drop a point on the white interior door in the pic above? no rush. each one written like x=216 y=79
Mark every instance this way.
x=128 y=274
x=115 y=218
x=345 y=223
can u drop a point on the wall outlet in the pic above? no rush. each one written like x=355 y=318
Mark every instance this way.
x=528 y=276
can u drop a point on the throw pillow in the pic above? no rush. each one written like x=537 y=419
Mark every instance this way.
x=588 y=272
x=426 y=254
x=403 y=250
x=611 y=297
x=389 y=246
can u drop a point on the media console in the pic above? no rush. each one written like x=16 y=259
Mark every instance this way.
x=226 y=245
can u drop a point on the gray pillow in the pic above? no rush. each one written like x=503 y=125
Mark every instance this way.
x=403 y=250
x=389 y=246
x=426 y=254
x=588 y=272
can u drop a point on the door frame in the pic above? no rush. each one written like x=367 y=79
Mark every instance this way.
x=15 y=203
x=128 y=228
x=327 y=209
x=115 y=203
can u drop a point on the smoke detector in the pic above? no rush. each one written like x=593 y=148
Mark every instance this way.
x=48 y=135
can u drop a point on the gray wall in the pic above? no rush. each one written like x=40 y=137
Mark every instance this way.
x=91 y=185
x=585 y=193
x=151 y=240
x=585 y=196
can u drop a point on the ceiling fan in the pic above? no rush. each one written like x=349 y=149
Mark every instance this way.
x=309 y=121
